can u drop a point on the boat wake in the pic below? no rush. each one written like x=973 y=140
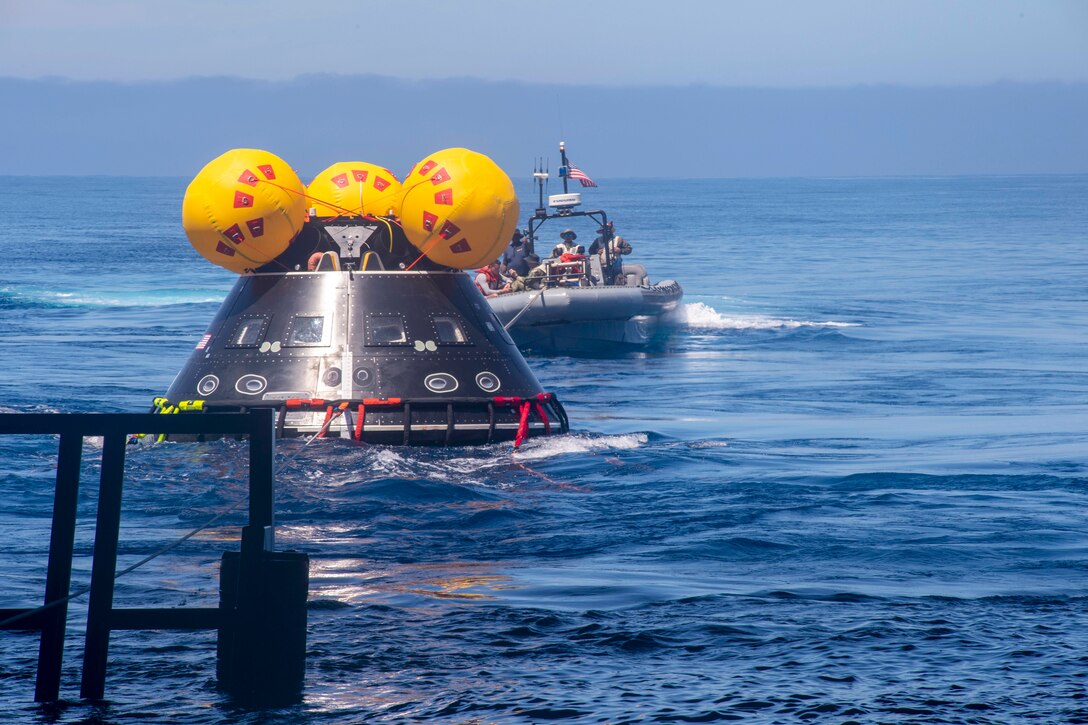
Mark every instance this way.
x=700 y=316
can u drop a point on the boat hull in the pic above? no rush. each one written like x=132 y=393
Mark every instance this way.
x=588 y=320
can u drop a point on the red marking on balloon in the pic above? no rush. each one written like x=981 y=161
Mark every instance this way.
x=248 y=177
x=224 y=249
x=440 y=176
x=380 y=184
x=426 y=168
x=256 y=226
x=449 y=230
x=460 y=246
x=429 y=221
x=266 y=169
x=242 y=200
x=340 y=180
x=359 y=174
x=444 y=197
x=235 y=234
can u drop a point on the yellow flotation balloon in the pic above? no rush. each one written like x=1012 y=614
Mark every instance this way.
x=459 y=208
x=354 y=188
x=243 y=209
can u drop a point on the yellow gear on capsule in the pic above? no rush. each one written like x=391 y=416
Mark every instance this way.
x=459 y=208
x=354 y=188
x=243 y=209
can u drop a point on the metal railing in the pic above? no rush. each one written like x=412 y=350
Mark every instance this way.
x=235 y=618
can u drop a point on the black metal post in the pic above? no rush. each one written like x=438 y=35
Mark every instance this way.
x=262 y=639
x=58 y=576
x=242 y=631
x=103 y=567
x=609 y=262
x=258 y=535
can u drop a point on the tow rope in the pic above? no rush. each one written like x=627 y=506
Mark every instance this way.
x=514 y=319
x=526 y=406
x=523 y=425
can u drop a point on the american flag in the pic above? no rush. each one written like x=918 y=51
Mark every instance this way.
x=575 y=173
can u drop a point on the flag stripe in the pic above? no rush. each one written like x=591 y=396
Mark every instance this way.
x=575 y=173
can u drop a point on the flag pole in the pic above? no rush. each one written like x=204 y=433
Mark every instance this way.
x=564 y=169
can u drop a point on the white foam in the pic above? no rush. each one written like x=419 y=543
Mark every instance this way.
x=466 y=469
x=698 y=315
x=708 y=444
x=463 y=468
x=576 y=443
x=30 y=409
x=158 y=297
x=394 y=464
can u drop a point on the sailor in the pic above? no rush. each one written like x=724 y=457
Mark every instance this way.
x=534 y=280
x=489 y=281
x=576 y=254
x=618 y=247
x=512 y=278
x=514 y=256
x=604 y=233
x=566 y=245
x=571 y=266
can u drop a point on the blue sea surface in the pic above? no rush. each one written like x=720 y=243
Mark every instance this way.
x=851 y=487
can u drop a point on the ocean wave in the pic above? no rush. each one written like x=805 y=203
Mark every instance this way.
x=467 y=468
x=336 y=464
x=698 y=315
x=16 y=298
x=37 y=408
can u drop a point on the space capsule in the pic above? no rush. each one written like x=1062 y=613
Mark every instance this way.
x=351 y=322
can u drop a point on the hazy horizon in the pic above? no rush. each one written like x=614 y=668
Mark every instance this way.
x=172 y=128
x=638 y=88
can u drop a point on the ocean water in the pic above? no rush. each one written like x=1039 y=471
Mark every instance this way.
x=851 y=487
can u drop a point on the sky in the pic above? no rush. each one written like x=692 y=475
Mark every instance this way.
x=748 y=43
x=716 y=88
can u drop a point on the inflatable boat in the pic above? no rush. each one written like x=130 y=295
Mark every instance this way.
x=591 y=319
x=588 y=301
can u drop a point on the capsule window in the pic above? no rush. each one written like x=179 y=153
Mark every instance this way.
x=306 y=331
x=249 y=332
x=386 y=329
x=448 y=330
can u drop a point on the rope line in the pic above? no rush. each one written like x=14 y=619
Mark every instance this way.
x=515 y=318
